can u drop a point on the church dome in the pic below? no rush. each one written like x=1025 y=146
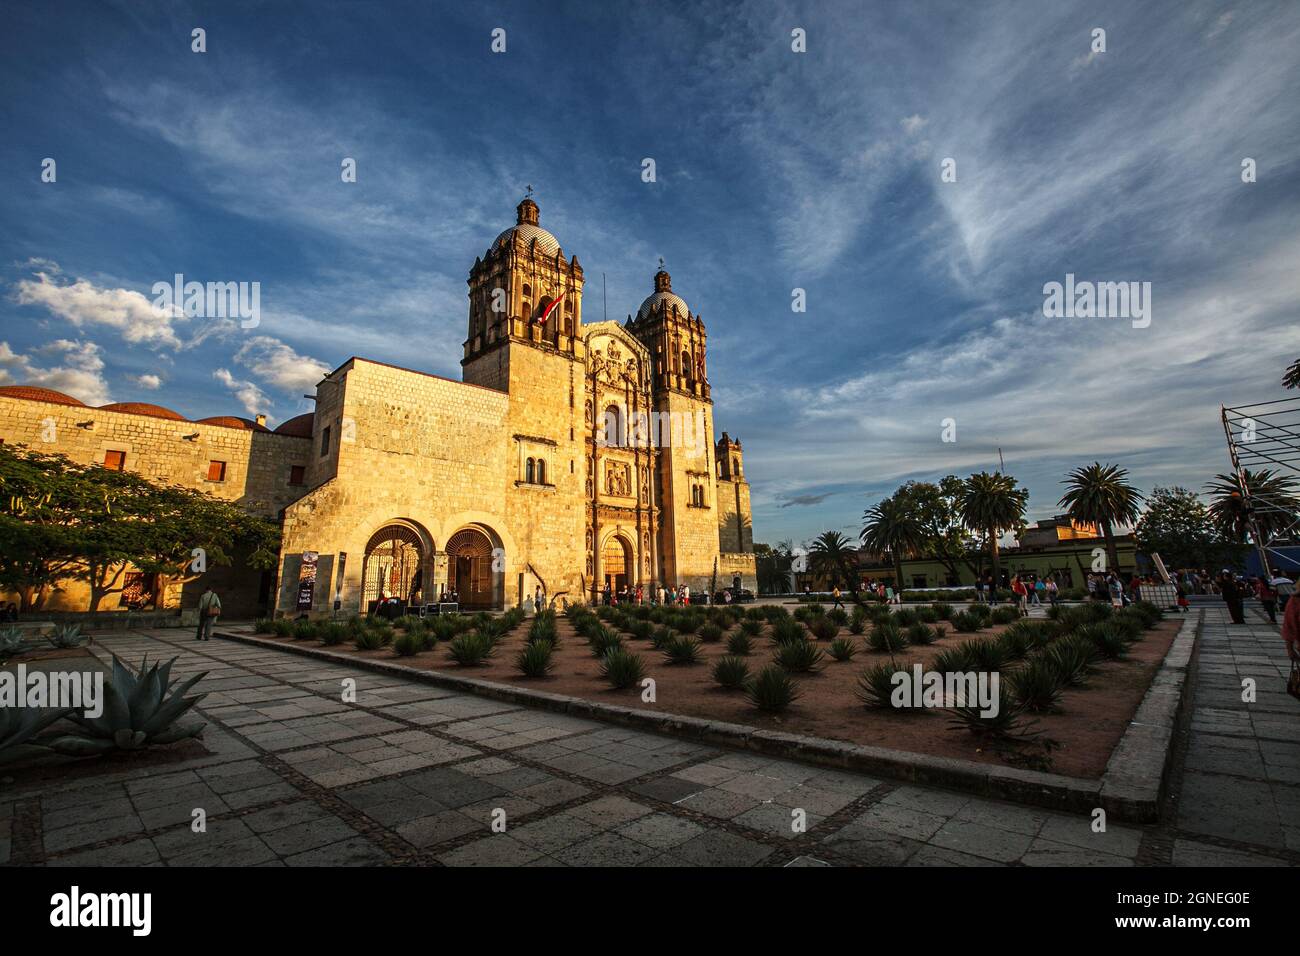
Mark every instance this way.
x=143 y=408
x=527 y=229
x=663 y=293
x=36 y=393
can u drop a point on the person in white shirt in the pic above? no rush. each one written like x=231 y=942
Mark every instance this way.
x=209 y=611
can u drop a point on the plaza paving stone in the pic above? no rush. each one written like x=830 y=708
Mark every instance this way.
x=415 y=774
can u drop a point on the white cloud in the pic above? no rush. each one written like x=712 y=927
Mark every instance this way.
x=280 y=366
x=250 y=396
x=83 y=303
x=913 y=124
x=79 y=372
x=1220 y=25
x=151 y=382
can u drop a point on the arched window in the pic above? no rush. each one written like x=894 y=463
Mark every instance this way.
x=686 y=364
x=614 y=426
x=529 y=471
x=541 y=471
x=568 y=325
x=735 y=467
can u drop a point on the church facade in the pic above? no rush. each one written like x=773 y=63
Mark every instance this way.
x=572 y=456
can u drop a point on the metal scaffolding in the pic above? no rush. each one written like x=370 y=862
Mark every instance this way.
x=1265 y=435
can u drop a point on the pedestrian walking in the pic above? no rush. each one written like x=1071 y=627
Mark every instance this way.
x=1231 y=595
x=209 y=611
x=1267 y=597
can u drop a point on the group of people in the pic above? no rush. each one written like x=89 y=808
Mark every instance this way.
x=1235 y=588
x=639 y=594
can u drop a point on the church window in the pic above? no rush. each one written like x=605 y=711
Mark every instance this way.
x=541 y=471
x=529 y=470
x=614 y=426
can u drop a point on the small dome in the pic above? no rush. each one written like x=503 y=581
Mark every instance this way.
x=232 y=421
x=663 y=293
x=527 y=217
x=35 y=393
x=546 y=242
x=299 y=427
x=143 y=408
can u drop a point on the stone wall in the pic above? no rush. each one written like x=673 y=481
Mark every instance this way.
x=689 y=532
x=257 y=475
x=438 y=456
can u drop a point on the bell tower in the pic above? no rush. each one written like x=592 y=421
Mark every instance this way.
x=686 y=482
x=523 y=292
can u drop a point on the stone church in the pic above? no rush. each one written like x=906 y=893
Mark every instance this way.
x=573 y=455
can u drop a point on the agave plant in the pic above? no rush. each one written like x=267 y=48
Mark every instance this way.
x=731 y=672
x=67 y=635
x=138 y=712
x=772 y=690
x=1006 y=720
x=19 y=727
x=535 y=659
x=621 y=668
x=12 y=641
x=802 y=657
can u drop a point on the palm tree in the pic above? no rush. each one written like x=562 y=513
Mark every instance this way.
x=1292 y=377
x=1101 y=495
x=891 y=526
x=991 y=504
x=832 y=552
x=1273 y=497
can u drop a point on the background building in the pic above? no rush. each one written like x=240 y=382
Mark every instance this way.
x=572 y=456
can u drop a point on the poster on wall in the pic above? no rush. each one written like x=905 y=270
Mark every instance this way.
x=338 y=586
x=307 y=580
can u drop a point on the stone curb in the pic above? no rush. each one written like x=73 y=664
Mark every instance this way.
x=1136 y=775
x=1130 y=799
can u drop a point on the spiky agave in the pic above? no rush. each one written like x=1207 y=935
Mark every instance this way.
x=66 y=636
x=138 y=712
x=19 y=727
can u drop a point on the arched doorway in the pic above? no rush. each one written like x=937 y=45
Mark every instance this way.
x=469 y=568
x=393 y=567
x=616 y=563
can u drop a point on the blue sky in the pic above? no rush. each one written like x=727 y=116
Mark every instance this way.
x=775 y=170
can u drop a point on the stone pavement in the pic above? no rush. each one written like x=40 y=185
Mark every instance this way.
x=414 y=774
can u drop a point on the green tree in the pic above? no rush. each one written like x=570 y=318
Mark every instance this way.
x=941 y=534
x=892 y=526
x=772 y=566
x=1292 y=377
x=63 y=521
x=1273 y=497
x=833 y=554
x=1101 y=495
x=992 y=504
x=40 y=501
x=1177 y=526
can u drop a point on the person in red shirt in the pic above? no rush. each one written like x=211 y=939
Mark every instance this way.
x=1291 y=628
x=1267 y=597
x=1018 y=588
